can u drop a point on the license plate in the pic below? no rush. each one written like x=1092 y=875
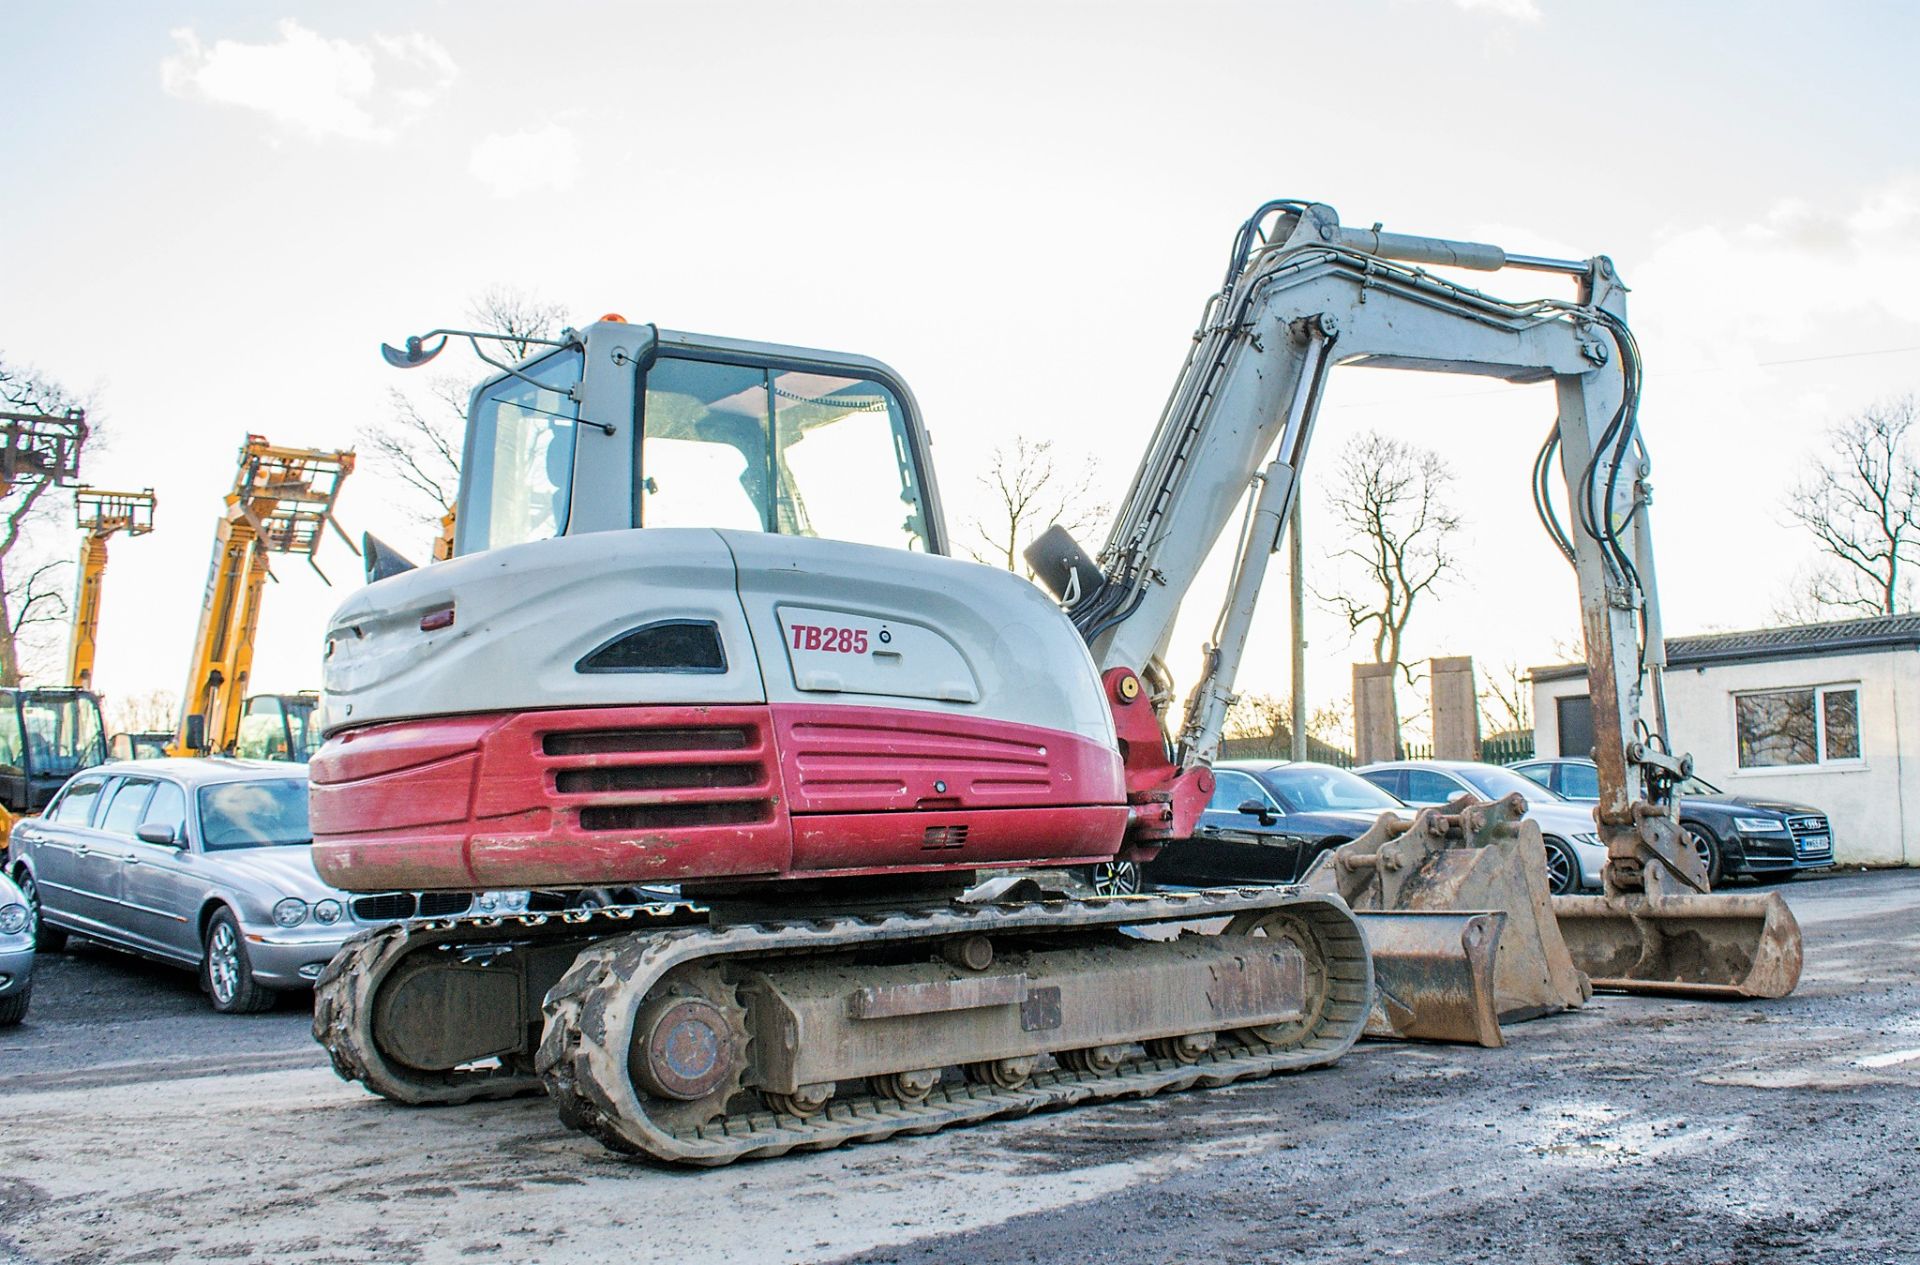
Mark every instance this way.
x=1816 y=843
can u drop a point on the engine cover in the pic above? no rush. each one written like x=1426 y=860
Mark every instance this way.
x=671 y=705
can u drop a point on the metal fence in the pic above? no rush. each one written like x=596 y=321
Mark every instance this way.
x=1508 y=748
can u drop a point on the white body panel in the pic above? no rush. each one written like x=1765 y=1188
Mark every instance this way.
x=960 y=638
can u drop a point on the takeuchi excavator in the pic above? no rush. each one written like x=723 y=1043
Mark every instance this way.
x=700 y=630
x=282 y=502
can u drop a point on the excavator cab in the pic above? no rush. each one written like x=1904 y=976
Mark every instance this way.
x=691 y=431
x=279 y=727
x=46 y=736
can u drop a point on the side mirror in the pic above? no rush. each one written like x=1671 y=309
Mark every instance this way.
x=159 y=832
x=1254 y=808
x=196 y=731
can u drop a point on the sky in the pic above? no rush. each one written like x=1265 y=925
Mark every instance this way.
x=215 y=212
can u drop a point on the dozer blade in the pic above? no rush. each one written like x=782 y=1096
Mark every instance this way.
x=1433 y=976
x=1468 y=858
x=1682 y=944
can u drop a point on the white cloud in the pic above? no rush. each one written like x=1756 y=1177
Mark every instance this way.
x=314 y=85
x=510 y=164
x=1518 y=10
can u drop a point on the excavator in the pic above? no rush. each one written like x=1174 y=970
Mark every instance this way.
x=282 y=502
x=700 y=630
x=46 y=734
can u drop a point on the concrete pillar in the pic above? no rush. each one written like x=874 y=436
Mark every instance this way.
x=1456 y=709
x=1376 y=718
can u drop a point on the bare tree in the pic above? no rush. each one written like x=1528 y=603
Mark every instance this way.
x=1861 y=501
x=27 y=597
x=419 y=444
x=152 y=712
x=1028 y=488
x=1391 y=500
x=1262 y=724
x=1506 y=699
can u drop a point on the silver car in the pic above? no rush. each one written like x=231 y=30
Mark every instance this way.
x=1575 y=855
x=16 y=954
x=203 y=862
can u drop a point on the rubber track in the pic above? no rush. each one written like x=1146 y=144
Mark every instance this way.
x=591 y=1011
x=343 y=996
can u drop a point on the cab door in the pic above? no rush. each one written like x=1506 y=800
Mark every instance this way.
x=54 y=846
x=164 y=882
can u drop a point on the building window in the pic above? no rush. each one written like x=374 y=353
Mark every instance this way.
x=1788 y=728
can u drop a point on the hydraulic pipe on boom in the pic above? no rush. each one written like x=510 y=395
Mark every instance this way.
x=281 y=503
x=100 y=514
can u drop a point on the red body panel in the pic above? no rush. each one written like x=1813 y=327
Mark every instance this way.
x=593 y=796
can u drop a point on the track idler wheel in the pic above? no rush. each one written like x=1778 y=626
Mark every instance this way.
x=1001 y=1073
x=1283 y=925
x=906 y=1087
x=1099 y=1060
x=806 y=1102
x=1187 y=1048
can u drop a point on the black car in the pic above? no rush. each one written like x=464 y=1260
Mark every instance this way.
x=1769 y=840
x=1267 y=822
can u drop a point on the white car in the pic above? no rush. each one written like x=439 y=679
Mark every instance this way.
x=1575 y=855
x=16 y=954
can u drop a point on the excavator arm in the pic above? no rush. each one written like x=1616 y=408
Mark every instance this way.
x=281 y=503
x=101 y=515
x=1303 y=294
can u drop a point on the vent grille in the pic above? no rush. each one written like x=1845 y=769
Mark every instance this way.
x=939 y=837
x=391 y=906
x=656 y=777
x=642 y=741
x=669 y=816
x=384 y=908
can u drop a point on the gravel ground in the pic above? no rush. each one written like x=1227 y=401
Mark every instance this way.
x=140 y=1126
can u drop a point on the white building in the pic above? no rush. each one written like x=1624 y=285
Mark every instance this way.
x=1822 y=714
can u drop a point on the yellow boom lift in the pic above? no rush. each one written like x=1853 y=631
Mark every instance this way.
x=101 y=515
x=282 y=502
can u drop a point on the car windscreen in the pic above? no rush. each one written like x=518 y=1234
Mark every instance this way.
x=1498 y=783
x=258 y=814
x=1306 y=789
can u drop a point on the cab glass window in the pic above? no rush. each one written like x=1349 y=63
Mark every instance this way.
x=76 y=803
x=794 y=451
x=168 y=807
x=519 y=460
x=254 y=814
x=1424 y=787
x=1230 y=790
x=263 y=735
x=126 y=806
x=63 y=733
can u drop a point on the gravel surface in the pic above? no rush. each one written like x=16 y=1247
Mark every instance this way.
x=140 y=1126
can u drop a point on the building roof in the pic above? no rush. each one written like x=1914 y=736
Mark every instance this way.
x=1797 y=641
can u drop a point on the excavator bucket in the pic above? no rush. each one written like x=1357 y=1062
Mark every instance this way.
x=1433 y=976
x=1671 y=937
x=1469 y=858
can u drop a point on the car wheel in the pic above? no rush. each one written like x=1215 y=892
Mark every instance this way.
x=1563 y=868
x=1116 y=878
x=225 y=972
x=1707 y=848
x=13 y=1009
x=48 y=938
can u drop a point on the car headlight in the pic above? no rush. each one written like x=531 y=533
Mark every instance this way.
x=290 y=912
x=502 y=902
x=327 y=911
x=1759 y=826
x=1591 y=840
x=13 y=919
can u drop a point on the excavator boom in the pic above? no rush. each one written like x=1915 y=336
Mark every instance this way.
x=282 y=502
